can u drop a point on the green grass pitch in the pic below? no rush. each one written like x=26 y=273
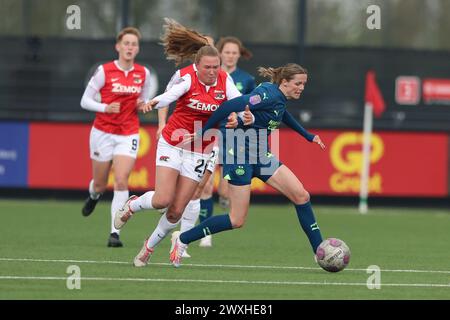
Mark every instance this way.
x=269 y=258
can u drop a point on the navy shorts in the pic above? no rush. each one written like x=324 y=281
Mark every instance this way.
x=242 y=174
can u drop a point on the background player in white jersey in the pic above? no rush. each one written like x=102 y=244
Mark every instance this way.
x=114 y=141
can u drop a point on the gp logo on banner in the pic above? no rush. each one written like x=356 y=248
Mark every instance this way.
x=13 y=154
x=348 y=161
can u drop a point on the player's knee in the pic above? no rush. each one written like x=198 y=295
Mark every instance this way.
x=174 y=214
x=301 y=196
x=177 y=211
x=161 y=202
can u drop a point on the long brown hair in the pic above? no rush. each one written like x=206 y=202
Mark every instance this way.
x=245 y=53
x=276 y=75
x=180 y=43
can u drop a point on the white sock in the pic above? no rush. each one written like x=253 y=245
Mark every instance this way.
x=161 y=231
x=143 y=202
x=119 y=199
x=94 y=195
x=190 y=215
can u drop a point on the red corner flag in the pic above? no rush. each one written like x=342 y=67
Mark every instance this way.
x=373 y=94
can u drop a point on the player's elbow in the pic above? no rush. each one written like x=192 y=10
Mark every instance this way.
x=84 y=103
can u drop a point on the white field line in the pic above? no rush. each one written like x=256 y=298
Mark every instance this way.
x=215 y=265
x=297 y=283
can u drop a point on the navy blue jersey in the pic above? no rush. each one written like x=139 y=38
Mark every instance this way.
x=244 y=81
x=247 y=155
x=268 y=105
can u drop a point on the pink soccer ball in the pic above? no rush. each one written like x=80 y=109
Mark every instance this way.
x=333 y=255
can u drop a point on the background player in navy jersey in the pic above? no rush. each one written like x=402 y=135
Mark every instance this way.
x=231 y=50
x=268 y=104
x=123 y=85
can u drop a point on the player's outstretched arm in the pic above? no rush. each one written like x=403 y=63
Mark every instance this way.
x=290 y=121
x=238 y=104
x=171 y=95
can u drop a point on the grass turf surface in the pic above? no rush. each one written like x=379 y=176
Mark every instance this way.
x=270 y=258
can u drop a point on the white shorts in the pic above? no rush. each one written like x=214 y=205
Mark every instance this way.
x=104 y=146
x=190 y=164
x=211 y=163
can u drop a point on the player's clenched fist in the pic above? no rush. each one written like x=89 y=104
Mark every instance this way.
x=247 y=117
x=232 y=121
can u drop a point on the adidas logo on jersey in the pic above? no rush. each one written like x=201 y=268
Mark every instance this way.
x=119 y=88
x=197 y=105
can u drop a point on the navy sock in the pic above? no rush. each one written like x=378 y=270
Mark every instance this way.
x=206 y=209
x=309 y=225
x=209 y=226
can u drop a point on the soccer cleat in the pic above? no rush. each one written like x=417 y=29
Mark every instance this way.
x=206 y=241
x=186 y=254
x=89 y=206
x=124 y=214
x=114 y=241
x=141 y=260
x=177 y=249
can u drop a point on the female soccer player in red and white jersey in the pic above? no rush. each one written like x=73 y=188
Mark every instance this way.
x=123 y=85
x=205 y=187
x=179 y=168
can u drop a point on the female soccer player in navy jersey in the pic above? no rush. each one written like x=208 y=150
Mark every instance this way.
x=123 y=85
x=268 y=104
